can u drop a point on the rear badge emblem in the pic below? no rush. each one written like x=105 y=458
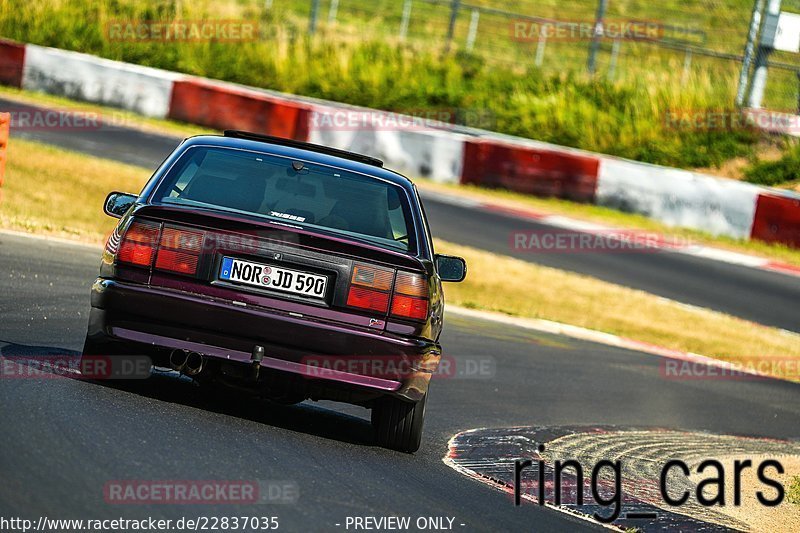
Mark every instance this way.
x=375 y=323
x=277 y=257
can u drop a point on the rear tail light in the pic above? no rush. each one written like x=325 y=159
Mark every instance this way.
x=408 y=307
x=411 y=284
x=370 y=287
x=139 y=244
x=376 y=278
x=179 y=250
x=410 y=296
x=175 y=261
x=368 y=299
x=176 y=250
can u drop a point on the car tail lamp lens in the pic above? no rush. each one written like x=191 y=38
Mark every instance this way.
x=139 y=244
x=370 y=287
x=411 y=284
x=368 y=299
x=410 y=296
x=180 y=262
x=376 y=278
x=409 y=307
x=178 y=239
x=179 y=250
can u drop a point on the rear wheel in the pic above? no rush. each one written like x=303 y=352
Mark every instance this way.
x=398 y=423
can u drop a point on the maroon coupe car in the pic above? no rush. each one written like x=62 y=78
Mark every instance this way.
x=293 y=270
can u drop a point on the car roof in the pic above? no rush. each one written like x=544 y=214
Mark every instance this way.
x=303 y=154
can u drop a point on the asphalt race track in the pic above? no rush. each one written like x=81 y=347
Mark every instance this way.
x=63 y=439
x=765 y=297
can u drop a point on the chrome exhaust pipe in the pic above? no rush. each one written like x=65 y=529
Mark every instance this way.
x=177 y=359
x=194 y=364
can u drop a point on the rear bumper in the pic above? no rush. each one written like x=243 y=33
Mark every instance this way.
x=316 y=349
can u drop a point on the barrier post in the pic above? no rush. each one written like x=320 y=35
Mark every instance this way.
x=5 y=128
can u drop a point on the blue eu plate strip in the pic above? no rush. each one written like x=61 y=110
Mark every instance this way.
x=225 y=271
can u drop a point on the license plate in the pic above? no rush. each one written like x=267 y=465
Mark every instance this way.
x=273 y=277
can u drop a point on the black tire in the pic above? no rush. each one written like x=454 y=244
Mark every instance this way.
x=398 y=423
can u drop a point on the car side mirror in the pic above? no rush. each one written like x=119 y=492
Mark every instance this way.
x=118 y=203
x=451 y=268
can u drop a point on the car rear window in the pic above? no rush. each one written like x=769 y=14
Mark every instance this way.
x=295 y=192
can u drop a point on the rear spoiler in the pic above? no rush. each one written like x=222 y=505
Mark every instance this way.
x=344 y=154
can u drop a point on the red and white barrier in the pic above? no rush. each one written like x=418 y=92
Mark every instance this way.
x=442 y=153
x=531 y=170
x=12 y=61
x=678 y=197
x=92 y=79
x=228 y=106
x=407 y=146
x=777 y=218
